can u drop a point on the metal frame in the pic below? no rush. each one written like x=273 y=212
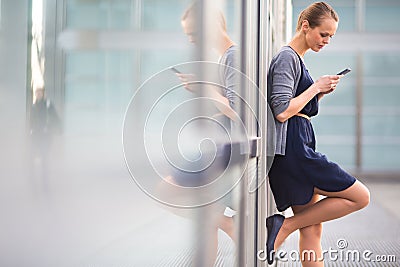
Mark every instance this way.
x=359 y=106
x=29 y=92
x=0 y=13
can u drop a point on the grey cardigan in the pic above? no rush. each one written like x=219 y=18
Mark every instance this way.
x=283 y=78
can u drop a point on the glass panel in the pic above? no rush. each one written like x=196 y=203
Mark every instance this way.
x=381 y=157
x=97 y=86
x=382 y=16
x=345 y=9
x=381 y=113
x=347 y=17
x=100 y=14
x=372 y=94
x=122 y=183
x=381 y=65
x=334 y=125
x=173 y=129
x=164 y=137
x=336 y=138
x=155 y=61
x=341 y=153
x=163 y=15
x=381 y=125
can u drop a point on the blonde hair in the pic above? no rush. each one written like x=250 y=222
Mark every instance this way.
x=216 y=15
x=315 y=13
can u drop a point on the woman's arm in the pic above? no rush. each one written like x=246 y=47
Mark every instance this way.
x=220 y=101
x=321 y=95
x=298 y=103
x=324 y=85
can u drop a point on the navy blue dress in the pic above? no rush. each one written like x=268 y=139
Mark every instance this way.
x=294 y=176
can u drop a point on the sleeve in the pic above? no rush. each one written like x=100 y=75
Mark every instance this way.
x=231 y=78
x=282 y=81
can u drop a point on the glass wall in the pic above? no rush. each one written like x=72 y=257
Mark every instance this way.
x=358 y=124
x=115 y=82
x=108 y=132
x=381 y=112
x=92 y=111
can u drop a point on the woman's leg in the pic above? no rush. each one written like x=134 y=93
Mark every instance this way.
x=217 y=219
x=227 y=225
x=335 y=205
x=310 y=238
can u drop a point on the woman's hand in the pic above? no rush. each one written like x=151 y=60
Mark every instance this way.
x=324 y=85
x=219 y=100
x=327 y=84
x=186 y=79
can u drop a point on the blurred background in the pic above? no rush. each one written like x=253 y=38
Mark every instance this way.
x=67 y=197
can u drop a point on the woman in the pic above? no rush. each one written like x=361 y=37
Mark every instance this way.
x=220 y=216
x=299 y=175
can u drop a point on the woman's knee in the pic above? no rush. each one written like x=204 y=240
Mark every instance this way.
x=312 y=231
x=363 y=197
x=359 y=195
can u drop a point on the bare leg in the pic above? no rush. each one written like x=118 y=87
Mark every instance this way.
x=212 y=248
x=217 y=219
x=227 y=225
x=310 y=238
x=224 y=223
x=335 y=205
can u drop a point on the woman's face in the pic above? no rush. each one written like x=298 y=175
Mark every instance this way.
x=318 y=37
x=189 y=28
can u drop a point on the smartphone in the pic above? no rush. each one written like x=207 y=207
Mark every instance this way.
x=175 y=70
x=345 y=71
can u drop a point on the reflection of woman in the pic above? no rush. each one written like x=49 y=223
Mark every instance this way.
x=299 y=174
x=44 y=124
x=220 y=217
x=228 y=55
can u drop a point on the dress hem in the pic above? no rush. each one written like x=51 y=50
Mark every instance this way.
x=286 y=206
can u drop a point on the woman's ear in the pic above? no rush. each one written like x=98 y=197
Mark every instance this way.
x=305 y=26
